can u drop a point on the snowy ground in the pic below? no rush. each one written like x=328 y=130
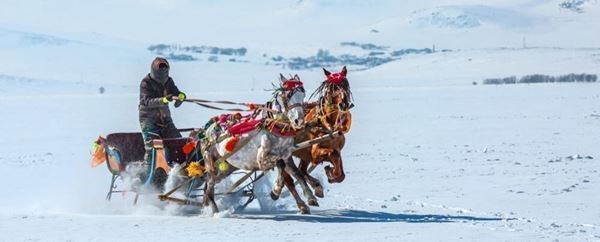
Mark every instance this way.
x=430 y=156
x=446 y=163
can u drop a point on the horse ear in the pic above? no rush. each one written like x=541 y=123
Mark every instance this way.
x=282 y=78
x=296 y=77
x=327 y=73
x=344 y=71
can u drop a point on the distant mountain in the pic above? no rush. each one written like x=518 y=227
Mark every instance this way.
x=12 y=38
x=471 y=16
x=37 y=42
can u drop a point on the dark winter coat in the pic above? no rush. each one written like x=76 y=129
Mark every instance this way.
x=151 y=108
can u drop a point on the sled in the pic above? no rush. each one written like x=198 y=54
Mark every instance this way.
x=124 y=155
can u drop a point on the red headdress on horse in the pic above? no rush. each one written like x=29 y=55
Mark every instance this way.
x=335 y=82
x=291 y=83
x=336 y=78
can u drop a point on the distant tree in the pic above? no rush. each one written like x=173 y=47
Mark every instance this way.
x=213 y=58
x=573 y=5
x=241 y=51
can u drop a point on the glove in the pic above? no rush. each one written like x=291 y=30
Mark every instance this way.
x=167 y=99
x=180 y=98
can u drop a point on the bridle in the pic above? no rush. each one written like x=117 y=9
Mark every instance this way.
x=282 y=96
x=285 y=93
x=327 y=108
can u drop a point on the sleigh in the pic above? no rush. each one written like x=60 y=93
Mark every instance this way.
x=123 y=154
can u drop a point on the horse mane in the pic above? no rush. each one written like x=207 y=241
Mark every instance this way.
x=344 y=86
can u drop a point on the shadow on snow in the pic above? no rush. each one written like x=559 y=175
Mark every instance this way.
x=357 y=216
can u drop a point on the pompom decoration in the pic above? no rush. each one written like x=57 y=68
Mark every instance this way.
x=336 y=78
x=292 y=84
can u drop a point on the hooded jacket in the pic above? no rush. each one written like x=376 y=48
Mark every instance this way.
x=151 y=108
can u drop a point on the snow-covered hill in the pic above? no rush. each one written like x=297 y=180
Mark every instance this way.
x=77 y=42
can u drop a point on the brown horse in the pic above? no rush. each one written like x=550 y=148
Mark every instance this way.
x=330 y=114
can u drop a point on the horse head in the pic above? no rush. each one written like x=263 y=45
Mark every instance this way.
x=337 y=89
x=335 y=100
x=289 y=97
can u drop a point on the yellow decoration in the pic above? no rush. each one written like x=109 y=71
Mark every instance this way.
x=195 y=169
x=223 y=166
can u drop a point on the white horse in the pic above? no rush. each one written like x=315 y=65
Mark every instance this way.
x=270 y=143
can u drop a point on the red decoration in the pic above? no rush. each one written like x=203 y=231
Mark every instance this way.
x=292 y=84
x=189 y=147
x=336 y=78
x=230 y=145
x=244 y=127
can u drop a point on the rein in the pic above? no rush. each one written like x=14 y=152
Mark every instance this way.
x=251 y=106
x=221 y=102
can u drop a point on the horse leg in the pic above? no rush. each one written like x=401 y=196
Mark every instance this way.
x=319 y=154
x=313 y=182
x=291 y=169
x=209 y=194
x=335 y=174
x=289 y=183
x=276 y=191
x=285 y=178
x=263 y=152
x=209 y=185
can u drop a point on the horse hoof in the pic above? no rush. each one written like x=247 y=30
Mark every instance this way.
x=274 y=196
x=305 y=210
x=338 y=179
x=313 y=202
x=319 y=192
